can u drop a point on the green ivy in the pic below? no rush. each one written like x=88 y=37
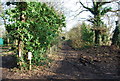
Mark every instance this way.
x=43 y=24
x=87 y=35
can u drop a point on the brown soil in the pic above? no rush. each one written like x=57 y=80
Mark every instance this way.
x=89 y=63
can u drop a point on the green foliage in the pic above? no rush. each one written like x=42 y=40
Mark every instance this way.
x=105 y=10
x=87 y=34
x=42 y=25
x=98 y=11
x=81 y=36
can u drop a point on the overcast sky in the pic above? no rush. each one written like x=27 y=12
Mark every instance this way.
x=72 y=7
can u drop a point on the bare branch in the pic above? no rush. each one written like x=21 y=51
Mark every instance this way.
x=76 y=10
x=77 y=14
x=114 y=10
x=85 y=6
x=103 y=3
x=93 y=2
x=81 y=12
x=89 y=9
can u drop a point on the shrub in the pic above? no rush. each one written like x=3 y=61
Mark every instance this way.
x=41 y=27
x=81 y=36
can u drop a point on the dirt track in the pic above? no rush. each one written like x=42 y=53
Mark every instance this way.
x=73 y=67
x=90 y=63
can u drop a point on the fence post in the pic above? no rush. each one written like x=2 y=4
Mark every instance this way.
x=29 y=58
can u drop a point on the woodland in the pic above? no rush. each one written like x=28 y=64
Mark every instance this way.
x=33 y=44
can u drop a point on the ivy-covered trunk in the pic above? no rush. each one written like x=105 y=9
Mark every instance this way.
x=19 y=51
x=97 y=37
x=116 y=35
x=20 y=42
x=35 y=27
x=98 y=11
x=97 y=24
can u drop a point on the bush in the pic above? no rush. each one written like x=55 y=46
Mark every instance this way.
x=81 y=36
x=87 y=35
x=41 y=27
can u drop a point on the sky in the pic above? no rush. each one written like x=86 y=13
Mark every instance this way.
x=71 y=8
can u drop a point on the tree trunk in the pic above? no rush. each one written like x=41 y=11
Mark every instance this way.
x=20 y=42
x=19 y=48
x=115 y=38
x=20 y=53
x=116 y=35
x=97 y=37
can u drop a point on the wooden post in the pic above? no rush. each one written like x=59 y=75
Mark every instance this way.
x=29 y=58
